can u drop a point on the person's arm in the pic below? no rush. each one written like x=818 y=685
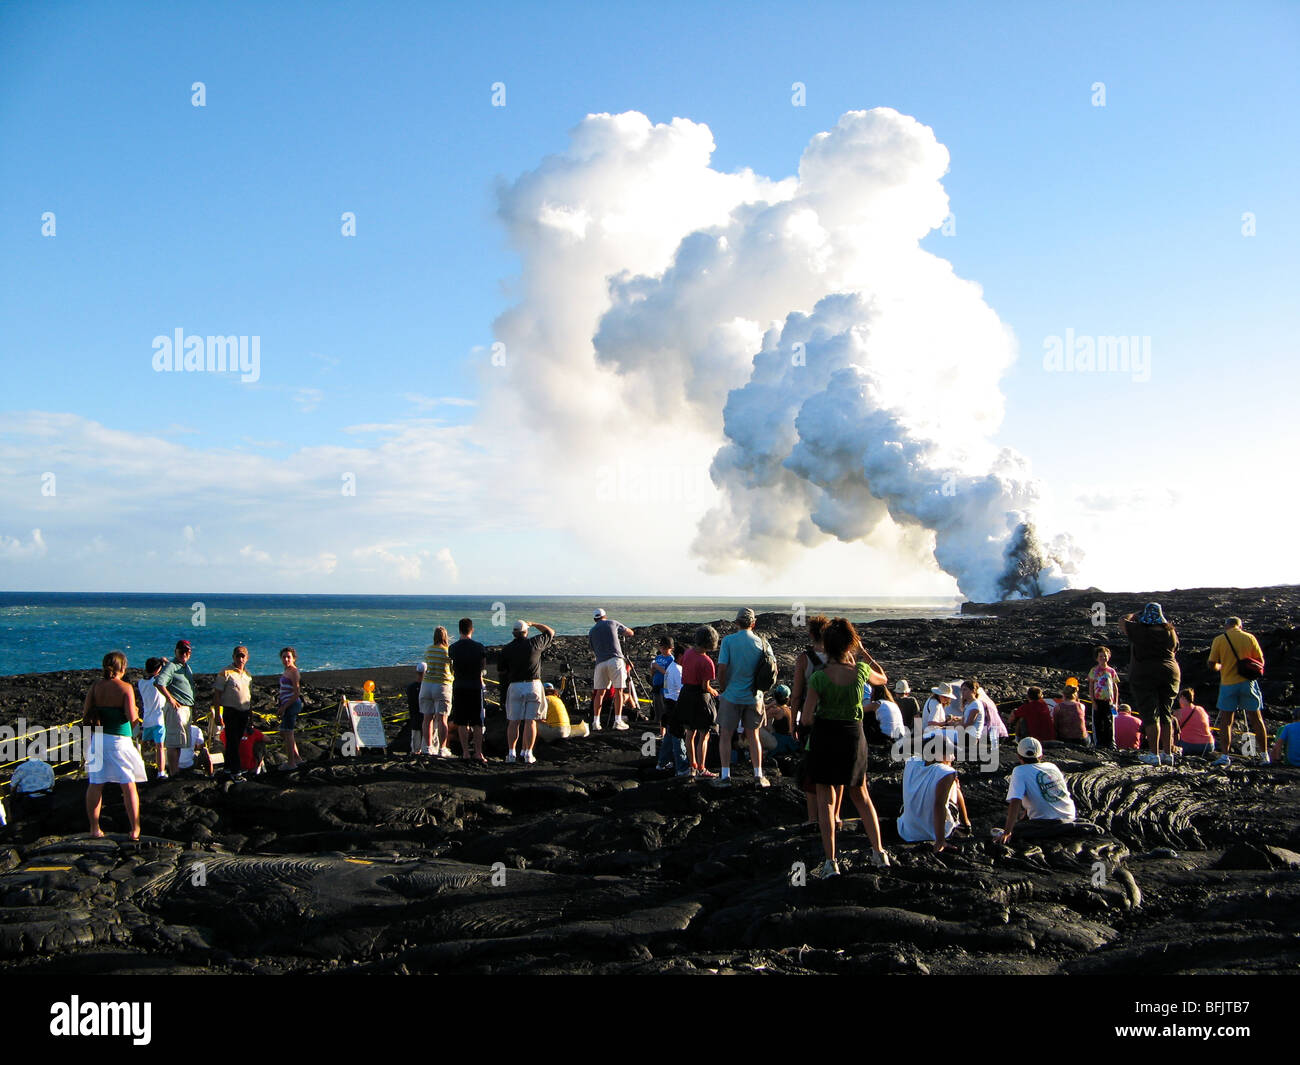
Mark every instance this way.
x=797 y=686
x=623 y=630
x=160 y=682
x=724 y=667
x=132 y=715
x=1014 y=809
x=809 y=707
x=961 y=807
x=941 y=794
x=88 y=706
x=545 y=630
x=655 y=667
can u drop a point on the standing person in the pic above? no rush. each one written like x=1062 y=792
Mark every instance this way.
x=520 y=667
x=907 y=704
x=152 y=705
x=176 y=683
x=611 y=667
x=1154 y=676
x=1068 y=718
x=674 y=733
x=435 y=694
x=411 y=736
x=810 y=659
x=1236 y=690
x=695 y=705
x=113 y=759
x=740 y=703
x=1193 y=726
x=469 y=661
x=838 y=746
x=290 y=705
x=232 y=694
x=658 y=671
x=1103 y=689
x=932 y=798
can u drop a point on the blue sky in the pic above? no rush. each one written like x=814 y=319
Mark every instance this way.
x=225 y=219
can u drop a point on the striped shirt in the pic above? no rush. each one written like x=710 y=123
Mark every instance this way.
x=437 y=660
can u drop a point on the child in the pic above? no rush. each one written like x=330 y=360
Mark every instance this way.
x=1103 y=689
x=1068 y=718
x=151 y=706
x=696 y=705
x=658 y=671
x=674 y=734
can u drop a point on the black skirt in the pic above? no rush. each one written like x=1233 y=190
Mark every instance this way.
x=696 y=709
x=837 y=753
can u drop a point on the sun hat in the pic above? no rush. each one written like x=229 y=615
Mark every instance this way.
x=1030 y=748
x=902 y=688
x=941 y=690
x=1153 y=615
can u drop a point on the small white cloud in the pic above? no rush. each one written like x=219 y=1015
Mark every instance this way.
x=251 y=554
x=429 y=402
x=13 y=549
x=449 y=567
x=308 y=399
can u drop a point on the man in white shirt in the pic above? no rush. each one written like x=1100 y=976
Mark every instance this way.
x=1037 y=791
x=932 y=798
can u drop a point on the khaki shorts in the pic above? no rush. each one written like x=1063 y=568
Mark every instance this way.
x=611 y=673
x=730 y=714
x=525 y=701
x=435 y=699
x=176 y=724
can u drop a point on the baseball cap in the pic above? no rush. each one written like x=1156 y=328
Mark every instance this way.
x=184 y=645
x=1030 y=747
x=521 y=626
x=597 y=615
x=420 y=667
x=744 y=614
x=548 y=686
x=781 y=691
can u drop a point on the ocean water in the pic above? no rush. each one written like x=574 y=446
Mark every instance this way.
x=48 y=631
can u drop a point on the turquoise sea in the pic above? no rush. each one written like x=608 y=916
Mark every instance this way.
x=48 y=631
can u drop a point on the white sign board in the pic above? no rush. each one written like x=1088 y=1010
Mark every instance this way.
x=367 y=725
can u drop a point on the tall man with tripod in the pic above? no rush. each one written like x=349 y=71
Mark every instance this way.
x=611 y=667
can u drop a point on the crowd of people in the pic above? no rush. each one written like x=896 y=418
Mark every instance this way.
x=838 y=698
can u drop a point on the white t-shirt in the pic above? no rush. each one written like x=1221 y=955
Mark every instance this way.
x=186 y=760
x=1041 y=787
x=890 y=718
x=933 y=712
x=151 y=703
x=673 y=682
x=920 y=782
x=976 y=727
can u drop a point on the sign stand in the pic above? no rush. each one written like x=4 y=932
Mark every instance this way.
x=362 y=719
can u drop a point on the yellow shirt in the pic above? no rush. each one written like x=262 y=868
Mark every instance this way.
x=1244 y=644
x=234 y=689
x=437 y=660
x=556 y=714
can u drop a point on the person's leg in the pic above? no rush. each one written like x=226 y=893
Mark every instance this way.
x=702 y=737
x=827 y=797
x=512 y=737
x=131 y=800
x=477 y=730
x=597 y=698
x=726 y=729
x=428 y=731
x=1224 y=722
x=162 y=757
x=756 y=750
x=862 y=800
x=94 y=799
x=811 y=798
x=530 y=734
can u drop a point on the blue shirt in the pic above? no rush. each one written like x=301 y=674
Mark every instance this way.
x=603 y=638
x=1289 y=737
x=740 y=653
x=663 y=661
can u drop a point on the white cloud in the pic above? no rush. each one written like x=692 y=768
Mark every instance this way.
x=13 y=549
x=307 y=399
x=449 y=568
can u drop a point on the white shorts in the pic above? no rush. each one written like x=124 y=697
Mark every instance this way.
x=525 y=701
x=435 y=699
x=611 y=673
x=113 y=760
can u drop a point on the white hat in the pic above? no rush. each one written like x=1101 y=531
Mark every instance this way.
x=902 y=687
x=1030 y=748
x=597 y=615
x=521 y=626
x=941 y=690
x=420 y=667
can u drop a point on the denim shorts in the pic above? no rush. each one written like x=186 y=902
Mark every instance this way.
x=289 y=714
x=1244 y=696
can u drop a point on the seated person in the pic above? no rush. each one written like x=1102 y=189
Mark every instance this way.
x=252 y=751
x=196 y=744
x=1034 y=718
x=1192 y=726
x=1068 y=717
x=1128 y=729
x=889 y=715
x=777 y=734
x=556 y=725
x=1037 y=791
x=907 y=705
x=932 y=798
x=1287 y=744
x=934 y=715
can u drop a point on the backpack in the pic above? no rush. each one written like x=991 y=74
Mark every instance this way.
x=765 y=669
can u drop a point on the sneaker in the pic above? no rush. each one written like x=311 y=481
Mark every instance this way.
x=237 y=778
x=595 y=725
x=510 y=756
x=762 y=782
x=161 y=776
x=621 y=725
x=1223 y=759
x=880 y=859
x=828 y=869
x=722 y=782
x=529 y=757
x=1150 y=759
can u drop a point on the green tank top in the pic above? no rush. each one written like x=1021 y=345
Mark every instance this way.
x=113 y=718
x=840 y=702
